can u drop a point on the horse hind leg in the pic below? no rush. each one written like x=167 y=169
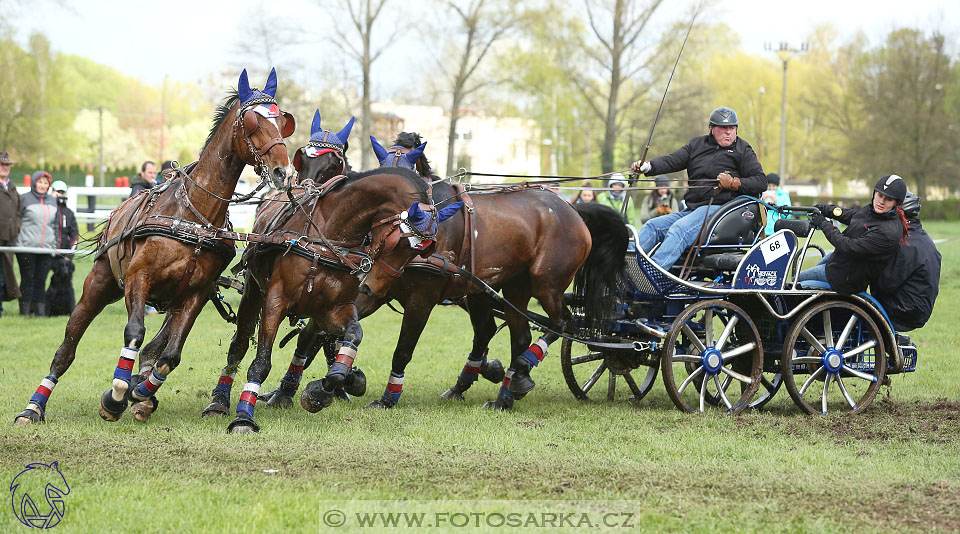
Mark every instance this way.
x=247 y=315
x=552 y=303
x=319 y=394
x=99 y=289
x=244 y=423
x=484 y=328
x=309 y=342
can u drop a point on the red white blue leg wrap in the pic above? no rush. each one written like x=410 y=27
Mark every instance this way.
x=248 y=399
x=291 y=380
x=505 y=387
x=38 y=402
x=471 y=370
x=345 y=358
x=535 y=354
x=225 y=384
x=394 y=388
x=148 y=387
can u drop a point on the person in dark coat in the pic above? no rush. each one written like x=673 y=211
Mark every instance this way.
x=39 y=230
x=145 y=179
x=60 y=296
x=871 y=239
x=9 y=229
x=720 y=166
x=908 y=285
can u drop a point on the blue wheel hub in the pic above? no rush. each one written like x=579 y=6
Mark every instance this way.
x=832 y=360
x=712 y=360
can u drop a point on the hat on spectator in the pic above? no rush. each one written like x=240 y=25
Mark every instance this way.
x=662 y=181
x=59 y=185
x=773 y=178
x=5 y=159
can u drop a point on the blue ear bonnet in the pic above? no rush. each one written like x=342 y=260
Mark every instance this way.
x=395 y=157
x=246 y=93
x=425 y=222
x=326 y=138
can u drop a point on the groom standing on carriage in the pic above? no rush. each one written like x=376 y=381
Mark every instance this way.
x=720 y=166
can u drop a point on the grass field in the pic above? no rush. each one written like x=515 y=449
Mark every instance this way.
x=894 y=468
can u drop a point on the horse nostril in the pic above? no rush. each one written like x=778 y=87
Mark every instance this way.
x=280 y=173
x=365 y=289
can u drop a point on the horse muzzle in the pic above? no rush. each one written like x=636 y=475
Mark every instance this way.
x=281 y=178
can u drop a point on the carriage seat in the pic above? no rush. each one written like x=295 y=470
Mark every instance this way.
x=800 y=227
x=737 y=224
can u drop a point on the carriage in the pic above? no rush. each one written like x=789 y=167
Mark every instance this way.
x=737 y=326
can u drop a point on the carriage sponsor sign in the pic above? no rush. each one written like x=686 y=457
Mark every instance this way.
x=479 y=515
x=765 y=265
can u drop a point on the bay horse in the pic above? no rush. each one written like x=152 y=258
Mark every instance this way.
x=528 y=242
x=315 y=257
x=161 y=247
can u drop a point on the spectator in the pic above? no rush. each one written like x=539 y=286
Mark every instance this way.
x=9 y=229
x=776 y=197
x=146 y=179
x=585 y=195
x=720 y=166
x=60 y=296
x=908 y=286
x=39 y=230
x=616 y=195
x=662 y=201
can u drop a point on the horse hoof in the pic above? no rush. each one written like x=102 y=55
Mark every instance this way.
x=356 y=383
x=315 y=398
x=520 y=385
x=243 y=425
x=111 y=410
x=379 y=403
x=215 y=409
x=340 y=394
x=452 y=394
x=503 y=403
x=144 y=409
x=492 y=370
x=28 y=417
x=279 y=399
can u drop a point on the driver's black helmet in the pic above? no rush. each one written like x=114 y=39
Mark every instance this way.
x=911 y=205
x=723 y=116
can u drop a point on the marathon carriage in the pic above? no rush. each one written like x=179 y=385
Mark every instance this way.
x=736 y=327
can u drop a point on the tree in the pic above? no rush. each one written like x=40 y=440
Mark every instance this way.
x=907 y=129
x=363 y=14
x=482 y=24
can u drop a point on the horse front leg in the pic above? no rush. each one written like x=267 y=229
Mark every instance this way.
x=247 y=315
x=320 y=393
x=114 y=401
x=416 y=312
x=484 y=328
x=518 y=294
x=181 y=322
x=99 y=289
x=245 y=423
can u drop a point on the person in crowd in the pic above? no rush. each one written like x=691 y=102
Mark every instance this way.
x=585 y=195
x=871 y=239
x=9 y=229
x=776 y=197
x=145 y=179
x=660 y=201
x=38 y=210
x=616 y=195
x=908 y=285
x=60 y=296
x=720 y=166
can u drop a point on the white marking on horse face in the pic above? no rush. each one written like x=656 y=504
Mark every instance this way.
x=549 y=210
x=274 y=123
x=475 y=234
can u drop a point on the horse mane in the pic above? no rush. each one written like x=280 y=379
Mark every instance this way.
x=221 y=114
x=412 y=177
x=412 y=140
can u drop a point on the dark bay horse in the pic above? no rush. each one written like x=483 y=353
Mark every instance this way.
x=528 y=243
x=317 y=266
x=161 y=247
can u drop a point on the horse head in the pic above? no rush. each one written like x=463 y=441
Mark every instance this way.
x=259 y=130
x=325 y=155
x=397 y=155
x=413 y=232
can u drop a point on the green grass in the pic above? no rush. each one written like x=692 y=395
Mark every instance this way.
x=895 y=467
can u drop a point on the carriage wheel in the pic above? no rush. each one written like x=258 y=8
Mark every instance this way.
x=712 y=345
x=591 y=366
x=769 y=386
x=832 y=349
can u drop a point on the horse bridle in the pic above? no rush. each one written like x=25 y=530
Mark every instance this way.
x=249 y=124
x=325 y=148
x=390 y=239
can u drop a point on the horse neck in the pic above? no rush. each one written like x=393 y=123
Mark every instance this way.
x=352 y=210
x=217 y=171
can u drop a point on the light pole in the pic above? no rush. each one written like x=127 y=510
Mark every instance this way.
x=785 y=53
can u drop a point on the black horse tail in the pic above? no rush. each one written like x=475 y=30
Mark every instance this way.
x=604 y=266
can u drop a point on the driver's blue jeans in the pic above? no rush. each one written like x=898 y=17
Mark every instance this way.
x=676 y=232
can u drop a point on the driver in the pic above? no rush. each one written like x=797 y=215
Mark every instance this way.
x=720 y=166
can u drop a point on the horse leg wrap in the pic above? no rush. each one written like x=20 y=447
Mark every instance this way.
x=291 y=380
x=341 y=366
x=522 y=383
x=148 y=388
x=37 y=406
x=248 y=400
x=220 y=404
x=504 y=397
x=394 y=389
x=123 y=374
x=471 y=371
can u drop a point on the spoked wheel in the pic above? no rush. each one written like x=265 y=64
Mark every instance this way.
x=585 y=370
x=712 y=345
x=769 y=385
x=833 y=359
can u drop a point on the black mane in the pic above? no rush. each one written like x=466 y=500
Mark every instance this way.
x=412 y=140
x=412 y=177
x=221 y=114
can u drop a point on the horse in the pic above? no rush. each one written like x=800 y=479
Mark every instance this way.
x=530 y=243
x=326 y=228
x=162 y=247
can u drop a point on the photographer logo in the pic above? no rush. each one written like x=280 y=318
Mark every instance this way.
x=37 y=495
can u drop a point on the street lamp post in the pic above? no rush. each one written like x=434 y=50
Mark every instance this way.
x=785 y=53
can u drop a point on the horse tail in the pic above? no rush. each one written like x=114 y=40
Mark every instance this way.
x=605 y=263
